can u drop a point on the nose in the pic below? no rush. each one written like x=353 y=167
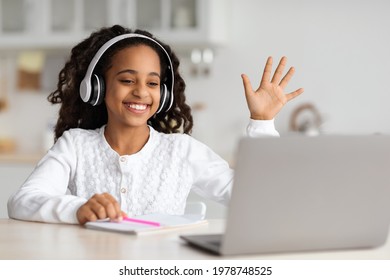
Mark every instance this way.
x=140 y=91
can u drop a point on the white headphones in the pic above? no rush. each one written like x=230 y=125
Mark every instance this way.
x=92 y=87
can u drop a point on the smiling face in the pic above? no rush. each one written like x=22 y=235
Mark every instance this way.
x=133 y=87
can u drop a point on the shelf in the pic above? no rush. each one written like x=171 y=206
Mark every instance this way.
x=61 y=24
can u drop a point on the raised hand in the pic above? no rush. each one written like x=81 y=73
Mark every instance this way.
x=266 y=102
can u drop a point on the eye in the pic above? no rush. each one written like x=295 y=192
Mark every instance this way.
x=126 y=81
x=153 y=84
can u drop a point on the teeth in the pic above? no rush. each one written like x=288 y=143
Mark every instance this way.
x=137 y=106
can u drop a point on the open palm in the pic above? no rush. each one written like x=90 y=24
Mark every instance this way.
x=266 y=102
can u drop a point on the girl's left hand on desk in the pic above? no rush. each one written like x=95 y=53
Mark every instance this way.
x=266 y=102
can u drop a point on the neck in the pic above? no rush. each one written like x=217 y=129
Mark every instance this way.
x=126 y=140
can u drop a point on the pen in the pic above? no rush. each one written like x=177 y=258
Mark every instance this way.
x=151 y=223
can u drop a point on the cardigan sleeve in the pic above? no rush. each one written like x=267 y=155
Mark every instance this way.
x=213 y=178
x=43 y=196
x=263 y=128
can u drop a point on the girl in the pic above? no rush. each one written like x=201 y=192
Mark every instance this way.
x=122 y=144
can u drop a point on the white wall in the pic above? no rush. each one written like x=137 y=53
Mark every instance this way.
x=12 y=176
x=341 y=53
x=340 y=50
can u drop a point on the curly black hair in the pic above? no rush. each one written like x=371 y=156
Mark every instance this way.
x=74 y=113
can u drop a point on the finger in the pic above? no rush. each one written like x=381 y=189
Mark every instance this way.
x=117 y=209
x=283 y=83
x=85 y=214
x=294 y=94
x=279 y=70
x=267 y=71
x=111 y=207
x=98 y=208
x=247 y=84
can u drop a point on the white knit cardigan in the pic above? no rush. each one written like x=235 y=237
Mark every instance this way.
x=156 y=179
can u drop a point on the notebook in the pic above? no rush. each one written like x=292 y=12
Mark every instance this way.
x=297 y=193
x=152 y=223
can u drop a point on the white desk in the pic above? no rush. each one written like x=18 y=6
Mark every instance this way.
x=30 y=240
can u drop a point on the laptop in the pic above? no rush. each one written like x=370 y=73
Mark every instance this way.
x=297 y=193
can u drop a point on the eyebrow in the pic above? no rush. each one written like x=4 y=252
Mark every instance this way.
x=131 y=71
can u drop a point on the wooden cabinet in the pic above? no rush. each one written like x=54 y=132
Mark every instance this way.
x=61 y=24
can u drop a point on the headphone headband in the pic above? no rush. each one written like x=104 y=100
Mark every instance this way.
x=85 y=85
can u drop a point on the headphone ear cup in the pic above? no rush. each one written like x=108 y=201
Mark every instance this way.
x=98 y=90
x=164 y=99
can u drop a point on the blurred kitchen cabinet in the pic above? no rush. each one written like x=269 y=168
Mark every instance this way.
x=61 y=24
x=184 y=23
x=52 y=23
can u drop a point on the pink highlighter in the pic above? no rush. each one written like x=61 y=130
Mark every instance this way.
x=133 y=220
